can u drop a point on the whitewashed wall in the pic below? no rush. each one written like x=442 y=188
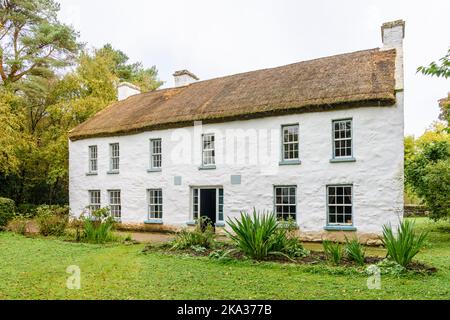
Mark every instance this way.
x=377 y=174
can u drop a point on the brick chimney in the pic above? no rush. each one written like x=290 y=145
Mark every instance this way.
x=392 y=34
x=184 y=78
x=126 y=89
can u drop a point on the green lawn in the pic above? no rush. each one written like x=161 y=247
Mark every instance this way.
x=35 y=268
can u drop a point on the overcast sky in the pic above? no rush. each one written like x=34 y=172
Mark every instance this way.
x=213 y=38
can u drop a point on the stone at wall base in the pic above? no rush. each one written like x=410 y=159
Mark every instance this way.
x=370 y=239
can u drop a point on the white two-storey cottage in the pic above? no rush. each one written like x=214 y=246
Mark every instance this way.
x=320 y=141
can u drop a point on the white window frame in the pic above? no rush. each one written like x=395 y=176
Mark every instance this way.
x=281 y=204
x=209 y=154
x=93 y=159
x=336 y=204
x=195 y=201
x=94 y=205
x=155 y=157
x=344 y=139
x=115 y=203
x=113 y=155
x=294 y=143
x=155 y=204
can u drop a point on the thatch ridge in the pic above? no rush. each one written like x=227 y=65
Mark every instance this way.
x=362 y=78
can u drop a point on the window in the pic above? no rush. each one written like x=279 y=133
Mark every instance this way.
x=155 y=208
x=114 y=203
x=339 y=205
x=92 y=159
x=196 y=202
x=220 y=206
x=94 y=200
x=115 y=156
x=286 y=202
x=155 y=154
x=208 y=153
x=342 y=139
x=290 y=143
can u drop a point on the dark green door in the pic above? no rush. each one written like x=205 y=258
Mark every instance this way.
x=208 y=204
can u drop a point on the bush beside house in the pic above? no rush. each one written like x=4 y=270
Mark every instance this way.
x=7 y=209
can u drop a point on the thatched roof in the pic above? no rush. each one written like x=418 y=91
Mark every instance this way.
x=363 y=78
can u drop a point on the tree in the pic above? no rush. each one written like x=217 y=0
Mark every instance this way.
x=10 y=137
x=438 y=69
x=32 y=40
x=427 y=170
x=145 y=78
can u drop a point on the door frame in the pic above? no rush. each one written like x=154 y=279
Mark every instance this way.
x=216 y=187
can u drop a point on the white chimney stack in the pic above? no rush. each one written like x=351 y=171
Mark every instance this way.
x=184 y=78
x=126 y=89
x=392 y=34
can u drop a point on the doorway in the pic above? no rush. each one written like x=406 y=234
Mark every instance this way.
x=208 y=204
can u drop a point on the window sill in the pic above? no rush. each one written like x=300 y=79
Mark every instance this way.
x=220 y=224
x=91 y=174
x=191 y=223
x=340 y=228
x=113 y=172
x=336 y=160
x=207 y=167
x=289 y=162
x=153 y=221
x=154 y=170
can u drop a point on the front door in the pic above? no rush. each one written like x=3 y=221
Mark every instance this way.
x=208 y=204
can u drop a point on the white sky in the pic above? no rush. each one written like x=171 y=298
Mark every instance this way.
x=222 y=37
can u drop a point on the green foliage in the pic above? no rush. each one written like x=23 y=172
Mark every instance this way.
x=390 y=267
x=334 y=251
x=27 y=209
x=256 y=236
x=355 y=251
x=7 y=209
x=260 y=235
x=203 y=236
x=438 y=69
x=10 y=137
x=52 y=220
x=403 y=246
x=427 y=172
x=33 y=40
x=98 y=227
x=145 y=79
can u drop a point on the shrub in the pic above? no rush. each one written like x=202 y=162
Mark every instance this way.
x=260 y=235
x=202 y=236
x=98 y=227
x=27 y=209
x=287 y=242
x=333 y=251
x=52 y=220
x=7 y=208
x=256 y=236
x=355 y=251
x=19 y=224
x=405 y=245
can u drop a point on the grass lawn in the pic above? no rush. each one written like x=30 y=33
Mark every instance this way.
x=35 y=268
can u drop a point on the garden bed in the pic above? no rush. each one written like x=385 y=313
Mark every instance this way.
x=226 y=251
